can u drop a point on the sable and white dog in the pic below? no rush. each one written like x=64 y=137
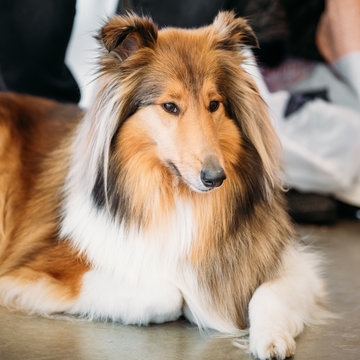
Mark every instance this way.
x=163 y=199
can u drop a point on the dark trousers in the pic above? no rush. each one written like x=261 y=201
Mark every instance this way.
x=34 y=35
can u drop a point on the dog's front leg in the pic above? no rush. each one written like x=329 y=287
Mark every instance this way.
x=279 y=308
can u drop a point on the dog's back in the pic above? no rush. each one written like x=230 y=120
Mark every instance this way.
x=32 y=136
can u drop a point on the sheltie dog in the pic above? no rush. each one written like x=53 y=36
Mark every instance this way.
x=163 y=199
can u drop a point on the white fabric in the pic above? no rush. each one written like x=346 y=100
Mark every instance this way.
x=349 y=68
x=321 y=141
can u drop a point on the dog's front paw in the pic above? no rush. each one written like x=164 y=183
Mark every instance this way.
x=271 y=345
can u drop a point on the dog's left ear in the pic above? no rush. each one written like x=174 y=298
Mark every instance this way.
x=126 y=34
x=234 y=32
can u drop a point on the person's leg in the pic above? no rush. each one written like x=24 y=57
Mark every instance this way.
x=33 y=42
x=338 y=32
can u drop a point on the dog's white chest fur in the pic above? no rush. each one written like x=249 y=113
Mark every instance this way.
x=134 y=273
x=140 y=300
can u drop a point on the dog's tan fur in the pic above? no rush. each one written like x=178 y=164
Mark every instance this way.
x=35 y=135
x=135 y=163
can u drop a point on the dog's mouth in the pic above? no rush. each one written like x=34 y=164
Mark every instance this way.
x=174 y=169
x=198 y=187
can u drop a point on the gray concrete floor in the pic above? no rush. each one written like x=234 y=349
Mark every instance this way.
x=31 y=337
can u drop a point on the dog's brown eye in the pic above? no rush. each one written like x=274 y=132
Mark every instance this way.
x=213 y=106
x=171 y=108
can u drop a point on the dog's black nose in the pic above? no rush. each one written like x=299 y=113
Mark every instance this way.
x=212 y=175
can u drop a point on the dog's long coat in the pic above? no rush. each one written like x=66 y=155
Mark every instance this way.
x=109 y=214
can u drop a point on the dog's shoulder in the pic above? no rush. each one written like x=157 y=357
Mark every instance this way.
x=28 y=114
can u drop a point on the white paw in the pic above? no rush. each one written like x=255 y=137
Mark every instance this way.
x=275 y=345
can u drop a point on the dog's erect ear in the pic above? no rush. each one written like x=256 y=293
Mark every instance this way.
x=124 y=35
x=233 y=31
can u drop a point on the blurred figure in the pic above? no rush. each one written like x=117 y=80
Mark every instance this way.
x=33 y=42
x=312 y=69
x=338 y=32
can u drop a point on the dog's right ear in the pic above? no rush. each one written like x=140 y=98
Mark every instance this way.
x=124 y=35
x=234 y=32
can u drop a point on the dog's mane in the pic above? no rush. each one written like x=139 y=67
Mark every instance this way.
x=250 y=197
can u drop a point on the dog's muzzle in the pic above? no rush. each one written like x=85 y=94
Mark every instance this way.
x=212 y=175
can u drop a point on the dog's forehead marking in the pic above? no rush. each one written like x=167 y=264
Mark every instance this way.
x=185 y=55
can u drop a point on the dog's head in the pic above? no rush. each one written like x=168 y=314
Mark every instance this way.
x=184 y=104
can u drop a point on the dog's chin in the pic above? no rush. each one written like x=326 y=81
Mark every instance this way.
x=198 y=188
